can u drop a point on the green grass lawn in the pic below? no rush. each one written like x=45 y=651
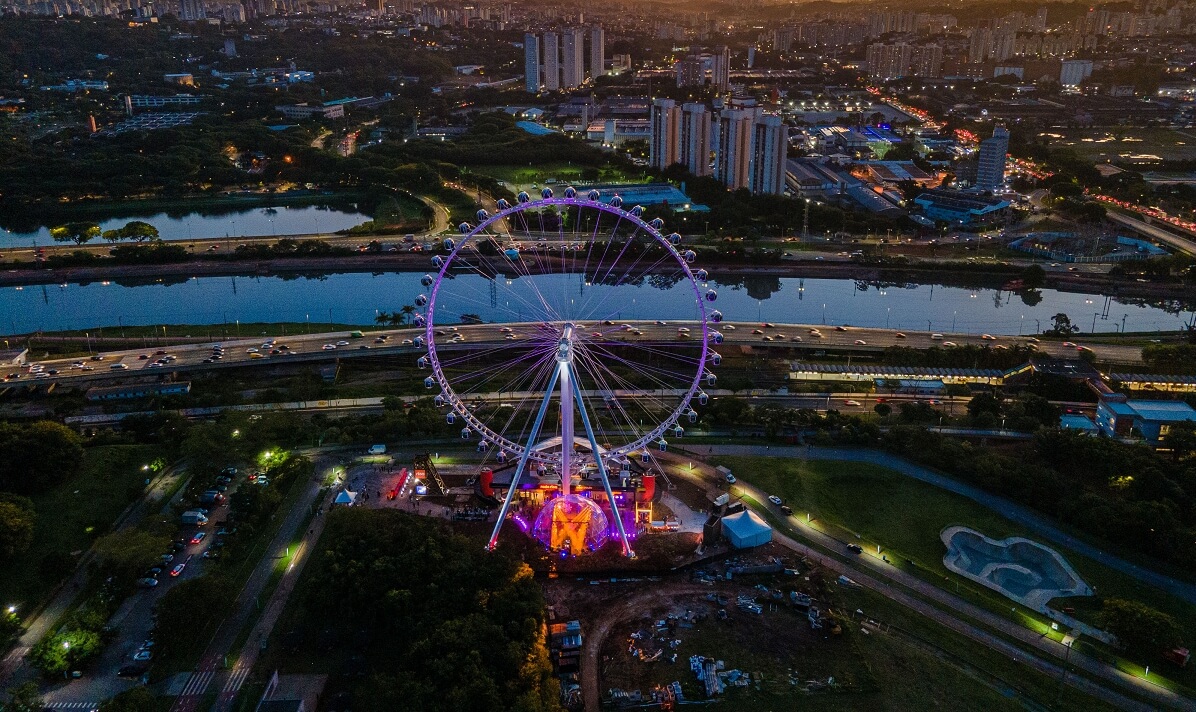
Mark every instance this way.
x=71 y=516
x=872 y=505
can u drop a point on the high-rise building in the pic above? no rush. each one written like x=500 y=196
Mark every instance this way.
x=927 y=61
x=573 y=67
x=889 y=61
x=666 y=125
x=733 y=147
x=720 y=69
x=597 y=52
x=689 y=72
x=552 y=62
x=1074 y=71
x=990 y=165
x=980 y=45
x=694 y=151
x=770 y=146
x=531 y=62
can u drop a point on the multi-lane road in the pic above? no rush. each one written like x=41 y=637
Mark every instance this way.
x=795 y=339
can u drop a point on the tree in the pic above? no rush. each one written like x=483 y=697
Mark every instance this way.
x=113 y=236
x=123 y=555
x=137 y=699
x=16 y=524
x=984 y=403
x=204 y=599
x=76 y=232
x=1181 y=440
x=35 y=457
x=1033 y=277
x=1062 y=326
x=1140 y=628
x=65 y=650
x=139 y=231
x=24 y=698
x=883 y=409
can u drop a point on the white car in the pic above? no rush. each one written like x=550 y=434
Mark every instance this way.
x=853 y=403
x=988 y=337
x=251 y=350
x=861 y=342
x=407 y=342
x=775 y=500
x=342 y=343
x=728 y=327
x=329 y=347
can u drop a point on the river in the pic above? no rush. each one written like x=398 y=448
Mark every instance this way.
x=357 y=298
x=223 y=221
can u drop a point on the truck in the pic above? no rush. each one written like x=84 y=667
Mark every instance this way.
x=194 y=518
x=377 y=450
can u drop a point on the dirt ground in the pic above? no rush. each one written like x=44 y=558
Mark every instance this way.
x=777 y=647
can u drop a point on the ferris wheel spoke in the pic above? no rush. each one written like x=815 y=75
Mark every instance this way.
x=631 y=422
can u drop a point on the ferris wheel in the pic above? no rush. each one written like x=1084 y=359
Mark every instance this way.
x=566 y=334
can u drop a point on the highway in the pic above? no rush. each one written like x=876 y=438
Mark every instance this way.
x=797 y=339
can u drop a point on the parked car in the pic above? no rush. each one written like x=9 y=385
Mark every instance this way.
x=147 y=582
x=775 y=500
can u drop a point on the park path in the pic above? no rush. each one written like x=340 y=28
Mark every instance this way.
x=874 y=573
x=13 y=668
x=1035 y=522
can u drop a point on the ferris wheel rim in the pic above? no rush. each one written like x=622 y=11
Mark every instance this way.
x=516 y=449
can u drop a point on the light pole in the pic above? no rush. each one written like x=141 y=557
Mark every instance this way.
x=953 y=315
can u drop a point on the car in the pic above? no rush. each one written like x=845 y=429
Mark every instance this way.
x=143 y=357
x=661 y=323
x=329 y=347
x=775 y=500
x=1032 y=340
x=256 y=356
x=797 y=339
x=131 y=671
x=407 y=342
x=1068 y=345
x=167 y=557
x=178 y=569
x=757 y=331
x=78 y=364
x=949 y=343
x=98 y=357
x=814 y=331
x=342 y=343
x=769 y=325
x=855 y=548
x=147 y=582
x=731 y=479
x=199 y=536
x=899 y=335
x=379 y=340
x=988 y=337
x=936 y=337
x=119 y=366
x=160 y=352
x=853 y=403
x=840 y=328
x=766 y=338
x=683 y=330
x=861 y=342
x=786 y=509
x=728 y=327
x=251 y=350
x=143 y=655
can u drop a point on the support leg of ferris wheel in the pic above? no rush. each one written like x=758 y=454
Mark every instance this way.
x=523 y=458
x=610 y=496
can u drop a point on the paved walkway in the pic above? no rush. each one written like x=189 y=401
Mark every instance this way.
x=1033 y=521
x=952 y=611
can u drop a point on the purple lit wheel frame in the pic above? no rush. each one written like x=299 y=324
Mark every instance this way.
x=657 y=255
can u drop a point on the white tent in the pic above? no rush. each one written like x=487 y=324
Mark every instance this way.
x=346 y=497
x=746 y=529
